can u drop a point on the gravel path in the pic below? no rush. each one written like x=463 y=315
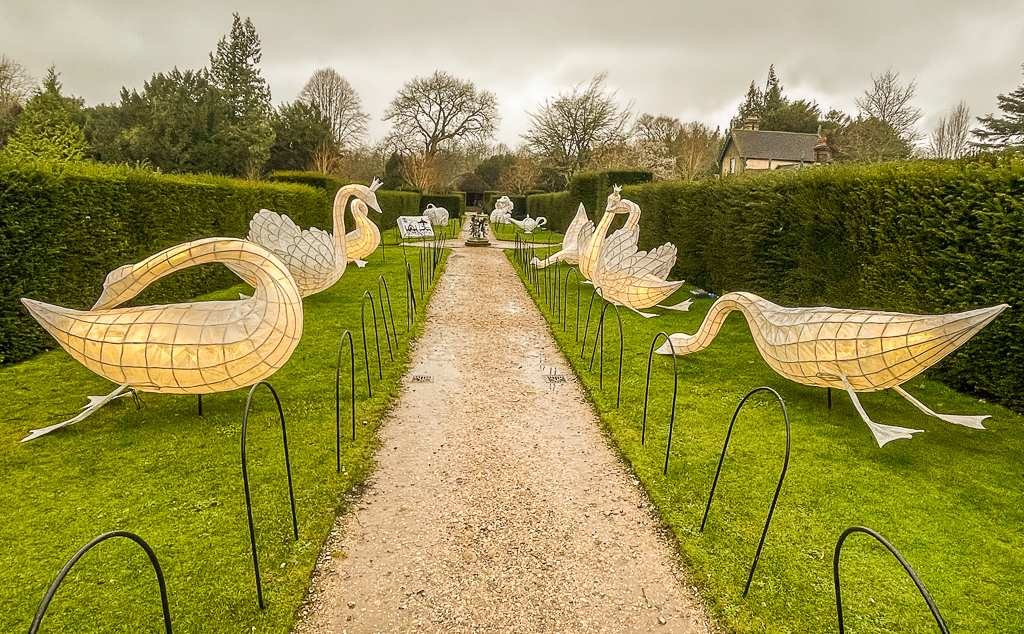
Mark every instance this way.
x=496 y=505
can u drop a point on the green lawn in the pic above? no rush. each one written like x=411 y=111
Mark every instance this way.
x=539 y=236
x=174 y=478
x=950 y=499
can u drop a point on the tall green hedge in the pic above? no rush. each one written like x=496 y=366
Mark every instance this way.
x=63 y=228
x=454 y=203
x=922 y=237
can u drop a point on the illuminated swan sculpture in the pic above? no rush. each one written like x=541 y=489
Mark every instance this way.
x=315 y=257
x=853 y=350
x=631 y=278
x=365 y=238
x=591 y=239
x=187 y=348
x=570 y=251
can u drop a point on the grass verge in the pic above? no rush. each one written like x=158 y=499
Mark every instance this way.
x=174 y=478
x=950 y=500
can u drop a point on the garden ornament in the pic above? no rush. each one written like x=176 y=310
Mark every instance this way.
x=591 y=239
x=438 y=215
x=570 y=251
x=365 y=238
x=631 y=278
x=853 y=350
x=187 y=348
x=528 y=224
x=502 y=211
x=315 y=257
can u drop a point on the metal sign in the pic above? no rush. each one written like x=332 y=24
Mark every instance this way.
x=415 y=227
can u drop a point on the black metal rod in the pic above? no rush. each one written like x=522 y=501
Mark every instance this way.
x=200 y=404
x=376 y=331
x=245 y=483
x=903 y=562
x=675 y=391
x=337 y=393
x=422 y=285
x=778 y=488
x=565 y=310
x=410 y=298
x=391 y=313
x=52 y=590
x=586 y=329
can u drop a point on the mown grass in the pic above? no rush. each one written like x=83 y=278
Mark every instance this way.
x=174 y=478
x=950 y=500
x=539 y=236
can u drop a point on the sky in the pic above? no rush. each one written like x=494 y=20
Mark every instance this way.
x=693 y=60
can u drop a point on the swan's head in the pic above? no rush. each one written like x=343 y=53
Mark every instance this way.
x=368 y=195
x=614 y=200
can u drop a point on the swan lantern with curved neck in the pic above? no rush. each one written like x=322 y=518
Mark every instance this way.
x=852 y=350
x=185 y=348
x=570 y=251
x=365 y=238
x=315 y=257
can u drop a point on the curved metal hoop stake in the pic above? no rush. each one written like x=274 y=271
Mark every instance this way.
x=391 y=313
x=52 y=590
x=586 y=329
x=903 y=562
x=675 y=391
x=778 y=489
x=600 y=335
x=337 y=393
x=245 y=482
x=376 y=338
x=410 y=298
x=419 y=252
x=565 y=298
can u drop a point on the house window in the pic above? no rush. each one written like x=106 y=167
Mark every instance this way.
x=732 y=166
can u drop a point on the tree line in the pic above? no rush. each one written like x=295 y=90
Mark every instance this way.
x=220 y=120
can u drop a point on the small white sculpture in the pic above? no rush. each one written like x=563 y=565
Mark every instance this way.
x=502 y=213
x=187 y=348
x=365 y=238
x=438 y=215
x=315 y=258
x=853 y=350
x=528 y=224
x=570 y=251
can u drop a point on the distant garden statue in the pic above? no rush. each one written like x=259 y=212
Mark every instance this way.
x=502 y=213
x=438 y=215
x=477 y=231
x=188 y=348
x=852 y=350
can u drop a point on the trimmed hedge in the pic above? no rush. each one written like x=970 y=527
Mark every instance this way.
x=920 y=237
x=63 y=228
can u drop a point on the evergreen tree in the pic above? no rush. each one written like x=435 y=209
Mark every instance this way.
x=49 y=127
x=234 y=69
x=1007 y=130
x=299 y=130
x=775 y=111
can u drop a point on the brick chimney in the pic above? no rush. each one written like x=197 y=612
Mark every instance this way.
x=752 y=123
x=821 y=151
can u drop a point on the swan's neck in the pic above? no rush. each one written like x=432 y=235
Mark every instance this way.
x=685 y=344
x=340 y=201
x=269 y=276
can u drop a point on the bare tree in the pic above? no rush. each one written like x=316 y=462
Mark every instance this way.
x=696 y=150
x=949 y=140
x=16 y=87
x=568 y=130
x=436 y=113
x=519 y=176
x=889 y=102
x=422 y=172
x=339 y=103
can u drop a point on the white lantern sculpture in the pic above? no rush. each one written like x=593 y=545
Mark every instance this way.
x=438 y=215
x=853 y=350
x=187 y=348
x=365 y=238
x=315 y=257
x=570 y=251
x=528 y=224
x=502 y=213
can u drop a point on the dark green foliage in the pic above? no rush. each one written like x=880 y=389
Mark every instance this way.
x=392 y=203
x=557 y=208
x=490 y=168
x=489 y=198
x=63 y=229
x=926 y=237
x=1007 y=130
x=50 y=126
x=299 y=129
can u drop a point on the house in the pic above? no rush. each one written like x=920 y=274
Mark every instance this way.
x=754 y=149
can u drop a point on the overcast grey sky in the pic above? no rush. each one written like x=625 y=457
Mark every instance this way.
x=682 y=58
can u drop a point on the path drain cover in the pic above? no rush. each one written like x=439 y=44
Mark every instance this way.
x=422 y=378
x=555 y=378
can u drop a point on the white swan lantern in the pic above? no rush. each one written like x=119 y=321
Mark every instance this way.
x=852 y=350
x=186 y=348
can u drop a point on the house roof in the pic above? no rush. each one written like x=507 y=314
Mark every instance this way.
x=780 y=146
